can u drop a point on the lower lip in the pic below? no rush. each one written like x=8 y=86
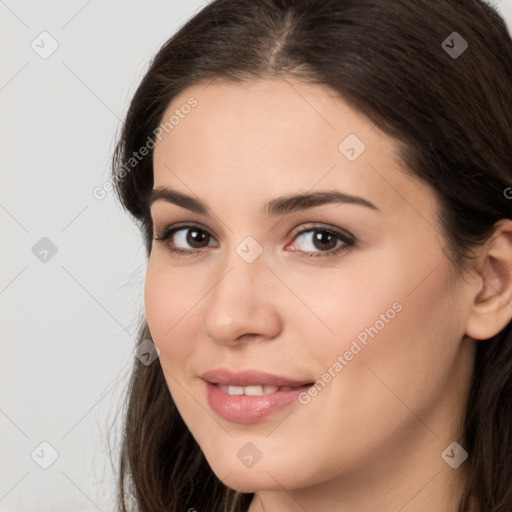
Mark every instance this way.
x=250 y=409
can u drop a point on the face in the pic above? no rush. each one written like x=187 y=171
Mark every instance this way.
x=328 y=330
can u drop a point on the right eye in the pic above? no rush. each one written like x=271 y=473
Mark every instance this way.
x=176 y=236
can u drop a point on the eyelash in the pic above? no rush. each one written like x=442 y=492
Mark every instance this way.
x=348 y=241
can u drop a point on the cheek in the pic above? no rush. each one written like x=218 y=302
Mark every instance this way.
x=393 y=318
x=397 y=288
x=170 y=298
x=398 y=344
x=355 y=301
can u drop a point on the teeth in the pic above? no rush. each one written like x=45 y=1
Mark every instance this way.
x=235 y=390
x=252 y=390
x=260 y=390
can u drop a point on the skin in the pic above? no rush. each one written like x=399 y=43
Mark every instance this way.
x=372 y=438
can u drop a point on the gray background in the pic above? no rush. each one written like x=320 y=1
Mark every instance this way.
x=68 y=322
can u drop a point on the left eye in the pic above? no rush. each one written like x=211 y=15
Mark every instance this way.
x=323 y=241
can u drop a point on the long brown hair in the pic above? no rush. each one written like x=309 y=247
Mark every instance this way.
x=450 y=108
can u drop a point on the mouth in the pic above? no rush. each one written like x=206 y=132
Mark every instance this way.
x=250 y=396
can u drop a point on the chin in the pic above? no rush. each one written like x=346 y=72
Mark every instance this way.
x=265 y=475
x=249 y=482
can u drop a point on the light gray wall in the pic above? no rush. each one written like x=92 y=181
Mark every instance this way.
x=68 y=322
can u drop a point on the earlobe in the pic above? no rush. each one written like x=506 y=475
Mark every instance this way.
x=492 y=305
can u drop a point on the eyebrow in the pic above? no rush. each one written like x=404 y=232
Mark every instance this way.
x=279 y=206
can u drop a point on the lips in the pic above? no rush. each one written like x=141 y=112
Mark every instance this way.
x=250 y=396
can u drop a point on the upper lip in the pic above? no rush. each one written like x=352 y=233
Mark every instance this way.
x=249 y=378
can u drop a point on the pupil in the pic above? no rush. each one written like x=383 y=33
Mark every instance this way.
x=323 y=237
x=195 y=236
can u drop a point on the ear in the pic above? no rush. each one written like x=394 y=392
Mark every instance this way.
x=491 y=310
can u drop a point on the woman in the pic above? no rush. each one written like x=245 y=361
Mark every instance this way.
x=323 y=187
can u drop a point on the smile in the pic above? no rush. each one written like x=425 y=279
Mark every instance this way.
x=250 y=396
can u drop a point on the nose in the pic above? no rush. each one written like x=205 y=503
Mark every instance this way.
x=243 y=304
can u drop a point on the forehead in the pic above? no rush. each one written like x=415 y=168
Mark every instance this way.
x=274 y=136
x=279 y=115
